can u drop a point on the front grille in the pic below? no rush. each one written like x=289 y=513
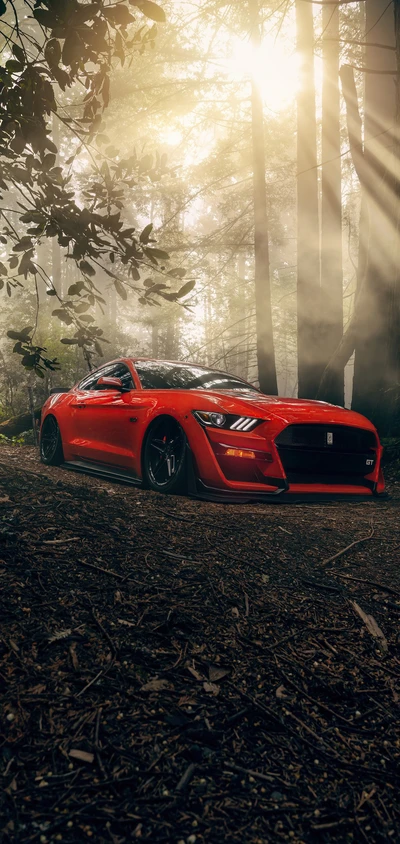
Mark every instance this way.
x=312 y=436
x=329 y=454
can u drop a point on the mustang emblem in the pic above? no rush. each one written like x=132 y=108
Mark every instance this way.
x=329 y=438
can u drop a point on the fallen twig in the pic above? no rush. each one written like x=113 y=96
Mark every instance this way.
x=347 y=548
x=369 y=582
x=249 y=772
x=106 y=571
x=186 y=777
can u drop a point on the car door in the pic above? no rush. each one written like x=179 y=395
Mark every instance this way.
x=102 y=419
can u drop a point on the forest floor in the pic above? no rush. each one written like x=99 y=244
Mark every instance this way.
x=181 y=671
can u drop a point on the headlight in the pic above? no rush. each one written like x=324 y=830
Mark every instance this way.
x=217 y=420
x=228 y=421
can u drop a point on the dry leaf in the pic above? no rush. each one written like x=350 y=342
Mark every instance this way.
x=37 y=690
x=281 y=693
x=235 y=612
x=126 y=623
x=156 y=686
x=372 y=627
x=265 y=578
x=211 y=688
x=195 y=673
x=82 y=755
x=216 y=673
x=4 y=498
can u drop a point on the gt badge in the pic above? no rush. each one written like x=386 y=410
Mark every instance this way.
x=329 y=438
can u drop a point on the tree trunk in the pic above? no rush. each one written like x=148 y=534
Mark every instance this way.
x=376 y=369
x=310 y=366
x=265 y=342
x=331 y=203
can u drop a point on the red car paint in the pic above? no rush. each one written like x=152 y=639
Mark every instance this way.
x=108 y=427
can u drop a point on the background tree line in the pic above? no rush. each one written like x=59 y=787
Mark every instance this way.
x=209 y=181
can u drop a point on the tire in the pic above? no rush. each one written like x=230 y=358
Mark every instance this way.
x=164 y=457
x=51 y=450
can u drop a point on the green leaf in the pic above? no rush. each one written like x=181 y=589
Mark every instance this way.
x=118 y=15
x=52 y=52
x=150 y=9
x=148 y=282
x=80 y=309
x=63 y=316
x=51 y=292
x=120 y=289
x=45 y=18
x=155 y=289
x=3 y=269
x=14 y=66
x=17 y=335
x=19 y=53
x=23 y=244
x=76 y=288
x=157 y=253
x=144 y=237
x=87 y=268
x=98 y=348
x=178 y=272
x=69 y=341
x=187 y=288
x=2 y=7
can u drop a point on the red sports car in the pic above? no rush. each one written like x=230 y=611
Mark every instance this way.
x=178 y=427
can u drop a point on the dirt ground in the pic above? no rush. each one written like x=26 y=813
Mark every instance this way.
x=189 y=672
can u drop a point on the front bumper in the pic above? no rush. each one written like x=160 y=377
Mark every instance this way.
x=339 y=476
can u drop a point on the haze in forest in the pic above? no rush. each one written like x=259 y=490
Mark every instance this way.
x=261 y=148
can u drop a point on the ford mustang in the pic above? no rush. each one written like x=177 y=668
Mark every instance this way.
x=183 y=428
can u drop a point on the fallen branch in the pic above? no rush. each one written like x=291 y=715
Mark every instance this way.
x=347 y=548
x=369 y=582
x=18 y=424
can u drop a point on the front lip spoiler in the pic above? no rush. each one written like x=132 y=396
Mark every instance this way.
x=206 y=493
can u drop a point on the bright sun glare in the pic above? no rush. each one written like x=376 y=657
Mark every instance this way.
x=273 y=66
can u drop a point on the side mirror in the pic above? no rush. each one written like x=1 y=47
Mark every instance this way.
x=106 y=383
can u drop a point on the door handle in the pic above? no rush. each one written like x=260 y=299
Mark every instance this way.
x=79 y=405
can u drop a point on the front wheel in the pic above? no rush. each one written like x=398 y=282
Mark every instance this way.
x=164 y=457
x=51 y=450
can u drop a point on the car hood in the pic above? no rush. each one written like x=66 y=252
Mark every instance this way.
x=286 y=409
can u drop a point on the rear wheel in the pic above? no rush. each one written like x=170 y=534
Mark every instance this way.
x=164 y=456
x=51 y=450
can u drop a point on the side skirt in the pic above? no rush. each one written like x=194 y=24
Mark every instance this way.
x=101 y=470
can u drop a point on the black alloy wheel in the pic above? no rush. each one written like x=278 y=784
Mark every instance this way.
x=164 y=456
x=51 y=450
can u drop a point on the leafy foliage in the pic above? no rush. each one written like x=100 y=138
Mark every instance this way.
x=52 y=52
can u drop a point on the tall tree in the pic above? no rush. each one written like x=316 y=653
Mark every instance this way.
x=375 y=370
x=265 y=342
x=331 y=202
x=308 y=254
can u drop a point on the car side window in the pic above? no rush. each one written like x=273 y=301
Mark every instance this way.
x=89 y=382
x=122 y=372
x=113 y=370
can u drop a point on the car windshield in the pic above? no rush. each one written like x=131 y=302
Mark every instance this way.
x=160 y=375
